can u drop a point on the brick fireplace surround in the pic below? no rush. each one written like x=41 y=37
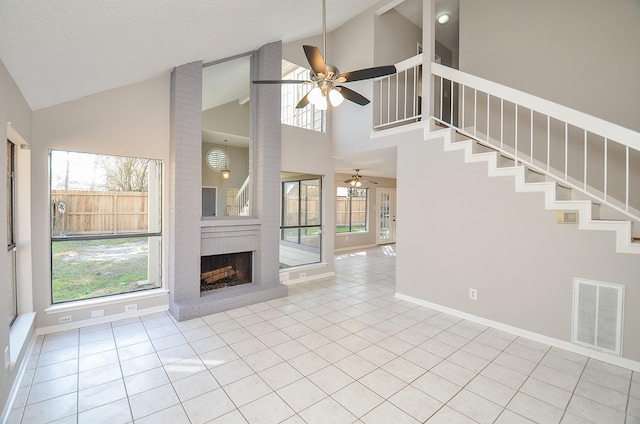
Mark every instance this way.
x=190 y=235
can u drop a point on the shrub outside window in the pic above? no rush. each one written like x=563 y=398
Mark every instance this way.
x=351 y=209
x=105 y=225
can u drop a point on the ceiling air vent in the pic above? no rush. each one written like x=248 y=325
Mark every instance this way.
x=597 y=315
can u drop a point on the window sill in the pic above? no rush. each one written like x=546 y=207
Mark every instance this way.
x=18 y=336
x=103 y=301
x=346 y=234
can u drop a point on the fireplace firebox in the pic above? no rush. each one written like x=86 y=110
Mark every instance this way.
x=230 y=269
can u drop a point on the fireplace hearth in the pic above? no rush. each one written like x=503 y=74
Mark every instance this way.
x=226 y=270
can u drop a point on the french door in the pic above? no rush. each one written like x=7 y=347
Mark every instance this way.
x=386 y=215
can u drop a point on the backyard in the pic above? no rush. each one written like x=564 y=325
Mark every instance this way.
x=86 y=269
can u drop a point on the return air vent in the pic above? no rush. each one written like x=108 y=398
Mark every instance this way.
x=567 y=217
x=597 y=315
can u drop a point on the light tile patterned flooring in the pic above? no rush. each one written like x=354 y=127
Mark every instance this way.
x=339 y=350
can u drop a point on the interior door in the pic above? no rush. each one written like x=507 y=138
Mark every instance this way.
x=386 y=215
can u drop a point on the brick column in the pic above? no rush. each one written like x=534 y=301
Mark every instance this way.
x=185 y=194
x=266 y=134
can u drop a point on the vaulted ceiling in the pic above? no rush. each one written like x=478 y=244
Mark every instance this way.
x=61 y=50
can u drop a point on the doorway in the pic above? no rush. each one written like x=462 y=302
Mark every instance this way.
x=386 y=215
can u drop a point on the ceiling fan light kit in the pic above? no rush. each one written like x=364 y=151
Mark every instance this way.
x=325 y=78
x=357 y=180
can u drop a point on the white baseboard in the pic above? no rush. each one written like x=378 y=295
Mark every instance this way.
x=100 y=320
x=561 y=344
x=8 y=406
x=308 y=278
x=350 y=248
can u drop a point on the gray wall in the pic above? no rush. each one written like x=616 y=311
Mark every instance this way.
x=130 y=121
x=14 y=109
x=231 y=118
x=580 y=53
x=471 y=231
x=396 y=38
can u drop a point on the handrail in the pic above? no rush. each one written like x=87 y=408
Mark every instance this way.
x=573 y=117
x=593 y=156
x=406 y=64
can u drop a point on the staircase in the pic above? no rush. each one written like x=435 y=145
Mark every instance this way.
x=556 y=197
x=579 y=162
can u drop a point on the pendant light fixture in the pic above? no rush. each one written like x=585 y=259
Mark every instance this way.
x=226 y=173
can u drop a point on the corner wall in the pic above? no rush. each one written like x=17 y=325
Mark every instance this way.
x=13 y=109
x=467 y=230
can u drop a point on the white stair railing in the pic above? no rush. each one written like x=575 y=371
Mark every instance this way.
x=398 y=96
x=593 y=156
x=241 y=205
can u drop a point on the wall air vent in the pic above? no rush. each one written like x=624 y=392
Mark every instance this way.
x=567 y=217
x=597 y=315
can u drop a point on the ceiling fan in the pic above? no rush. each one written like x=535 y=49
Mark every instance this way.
x=326 y=78
x=357 y=180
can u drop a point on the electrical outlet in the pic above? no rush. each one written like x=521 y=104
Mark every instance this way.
x=131 y=308
x=302 y=275
x=97 y=313
x=473 y=294
x=66 y=318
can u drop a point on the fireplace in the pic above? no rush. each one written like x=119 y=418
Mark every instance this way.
x=226 y=270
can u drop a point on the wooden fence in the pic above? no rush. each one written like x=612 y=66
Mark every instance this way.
x=98 y=212
x=358 y=211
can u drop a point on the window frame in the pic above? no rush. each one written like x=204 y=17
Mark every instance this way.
x=350 y=212
x=300 y=210
x=149 y=235
x=11 y=229
x=308 y=117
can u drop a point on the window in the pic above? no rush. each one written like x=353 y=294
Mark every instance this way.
x=307 y=117
x=300 y=231
x=11 y=244
x=218 y=159
x=351 y=209
x=105 y=225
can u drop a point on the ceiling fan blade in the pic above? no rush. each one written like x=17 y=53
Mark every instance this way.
x=282 y=82
x=315 y=59
x=368 y=181
x=363 y=74
x=351 y=95
x=303 y=102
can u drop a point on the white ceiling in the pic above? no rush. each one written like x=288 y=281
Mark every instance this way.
x=61 y=50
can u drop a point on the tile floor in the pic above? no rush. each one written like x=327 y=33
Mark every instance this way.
x=339 y=350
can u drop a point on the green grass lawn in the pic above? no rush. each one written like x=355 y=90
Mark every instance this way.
x=86 y=269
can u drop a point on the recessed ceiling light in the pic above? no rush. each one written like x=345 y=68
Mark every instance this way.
x=443 y=19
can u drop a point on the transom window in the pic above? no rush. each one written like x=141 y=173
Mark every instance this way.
x=351 y=209
x=105 y=225
x=308 y=117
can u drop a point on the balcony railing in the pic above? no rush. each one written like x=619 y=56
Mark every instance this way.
x=398 y=97
x=593 y=156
